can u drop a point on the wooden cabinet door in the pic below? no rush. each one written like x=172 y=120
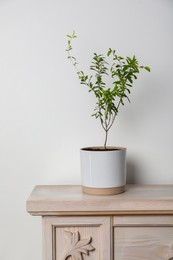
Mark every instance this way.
x=143 y=237
x=76 y=238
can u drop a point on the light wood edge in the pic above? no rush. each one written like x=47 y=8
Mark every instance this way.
x=142 y=225
x=112 y=237
x=103 y=213
x=103 y=191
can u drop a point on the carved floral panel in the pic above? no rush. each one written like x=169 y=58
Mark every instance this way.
x=78 y=246
x=77 y=238
x=77 y=243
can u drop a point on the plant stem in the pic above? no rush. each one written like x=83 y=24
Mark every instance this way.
x=106 y=137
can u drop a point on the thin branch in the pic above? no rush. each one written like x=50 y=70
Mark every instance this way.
x=113 y=119
x=106 y=137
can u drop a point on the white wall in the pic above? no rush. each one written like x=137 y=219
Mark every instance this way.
x=45 y=113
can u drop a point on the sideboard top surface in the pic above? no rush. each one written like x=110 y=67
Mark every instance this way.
x=69 y=200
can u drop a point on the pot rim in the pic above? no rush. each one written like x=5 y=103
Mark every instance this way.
x=101 y=148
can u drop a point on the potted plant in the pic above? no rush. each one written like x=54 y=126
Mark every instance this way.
x=103 y=169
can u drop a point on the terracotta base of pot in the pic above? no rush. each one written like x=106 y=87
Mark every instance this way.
x=103 y=191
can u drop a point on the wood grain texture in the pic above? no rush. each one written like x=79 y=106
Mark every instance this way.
x=69 y=199
x=135 y=225
x=149 y=243
x=142 y=220
x=143 y=237
x=57 y=243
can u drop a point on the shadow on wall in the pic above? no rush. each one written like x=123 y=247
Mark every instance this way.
x=132 y=173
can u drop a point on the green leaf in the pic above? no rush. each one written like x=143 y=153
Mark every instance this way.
x=120 y=58
x=147 y=68
x=128 y=90
x=129 y=59
x=129 y=85
x=130 y=80
x=109 y=52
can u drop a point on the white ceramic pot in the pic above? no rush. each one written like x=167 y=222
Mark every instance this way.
x=103 y=172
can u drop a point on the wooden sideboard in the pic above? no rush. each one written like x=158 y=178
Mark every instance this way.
x=135 y=225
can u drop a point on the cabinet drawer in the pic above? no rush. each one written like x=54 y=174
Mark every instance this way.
x=143 y=237
x=76 y=238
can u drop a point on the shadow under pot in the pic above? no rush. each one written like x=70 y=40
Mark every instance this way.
x=103 y=172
